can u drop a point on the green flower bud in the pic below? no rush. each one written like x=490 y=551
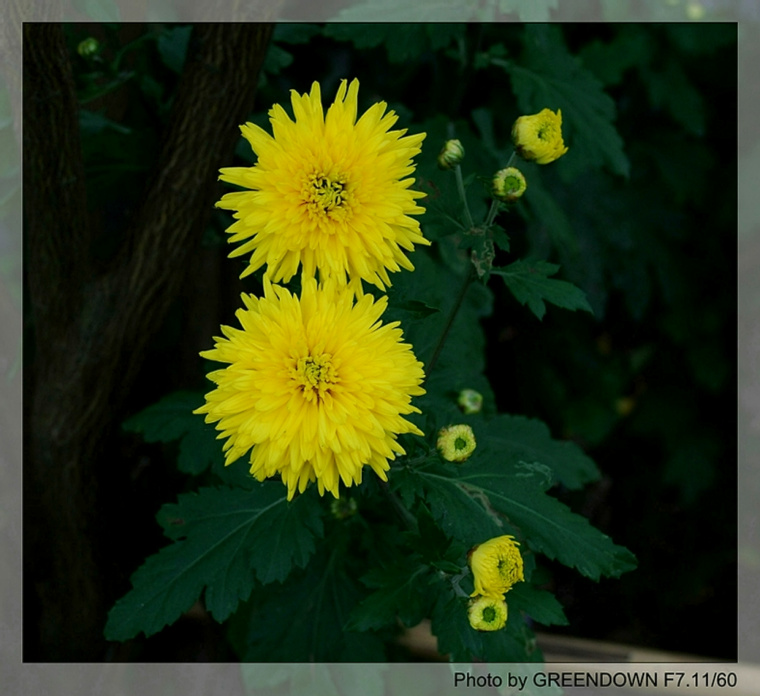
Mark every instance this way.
x=451 y=154
x=470 y=401
x=88 y=48
x=343 y=508
x=487 y=614
x=508 y=184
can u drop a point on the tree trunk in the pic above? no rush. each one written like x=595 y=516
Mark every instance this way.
x=89 y=333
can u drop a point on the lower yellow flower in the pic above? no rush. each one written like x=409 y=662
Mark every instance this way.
x=456 y=442
x=487 y=614
x=539 y=137
x=316 y=386
x=496 y=566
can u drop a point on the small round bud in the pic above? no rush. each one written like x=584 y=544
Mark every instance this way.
x=456 y=442
x=88 y=48
x=470 y=401
x=487 y=614
x=451 y=154
x=508 y=184
x=539 y=137
x=343 y=508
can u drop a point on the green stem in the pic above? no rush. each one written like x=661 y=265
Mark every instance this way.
x=450 y=319
x=495 y=206
x=406 y=517
x=463 y=197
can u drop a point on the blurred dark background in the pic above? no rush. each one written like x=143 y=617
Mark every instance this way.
x=647 y=386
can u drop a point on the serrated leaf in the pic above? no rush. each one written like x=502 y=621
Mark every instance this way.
x=172 y=47
x=548 y=76
x=529 y=282
x=542 y=606
x=304 y=619
x=172 y=419
x=496 y=492
x=223 y=538
x=521 y=439
x=402 y=594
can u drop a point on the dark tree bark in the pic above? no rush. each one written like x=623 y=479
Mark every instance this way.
x=89 y=332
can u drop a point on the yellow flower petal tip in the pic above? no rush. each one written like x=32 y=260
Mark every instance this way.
x=539 y=137
x=496 y=566
x=487 y=613
x=316 y=387
x=328 y=192
x=456 y=442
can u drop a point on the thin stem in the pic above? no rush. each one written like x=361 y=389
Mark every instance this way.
x=406 y=517
x=450 y=320
x=463 y=196
x=495 y=206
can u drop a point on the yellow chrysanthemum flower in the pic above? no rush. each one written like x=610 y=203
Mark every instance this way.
x=508 y=184
x=487 y=613
x=539 y=137
x=328 y=192
x=456 y=442
x=496 y=566
x=316 y=386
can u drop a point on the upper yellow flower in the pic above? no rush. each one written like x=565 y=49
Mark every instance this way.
x=316 y=386
x=328 y=192
x=539 y=137
x=496 y=566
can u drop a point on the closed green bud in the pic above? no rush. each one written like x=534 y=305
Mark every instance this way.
x=470 y=401
x=87 y=48
x=508 y=184
x=451 y=154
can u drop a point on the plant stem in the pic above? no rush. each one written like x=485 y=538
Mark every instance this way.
x=406 y=516
x=463 y=197
x=450 y=319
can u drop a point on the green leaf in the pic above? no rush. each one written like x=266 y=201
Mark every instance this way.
x=171 y=419
x=172 y=47
x=542 y=606
x=304 y=619
x=498 y=491
x=548 y=76
x=529 y=282
x=671 y=89
x=222 y=538
x=631 y=47
x=457 y=639
x=522 y=439
x=403 y=41
x=403 y=593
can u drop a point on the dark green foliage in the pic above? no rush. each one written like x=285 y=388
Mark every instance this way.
x=632 y=226
x=224 y=539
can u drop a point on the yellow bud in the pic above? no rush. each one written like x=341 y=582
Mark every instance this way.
x=508 y=184
x=456 y=442
x=496 y=566
x=451 y=154
x=539 y=137
x=487 y=614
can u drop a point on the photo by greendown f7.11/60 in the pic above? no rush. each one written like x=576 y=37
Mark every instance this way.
x=402 y=330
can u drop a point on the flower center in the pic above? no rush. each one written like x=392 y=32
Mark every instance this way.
x=326 y=195
x=460 y=443
x=315 y=375
x=489 y=614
